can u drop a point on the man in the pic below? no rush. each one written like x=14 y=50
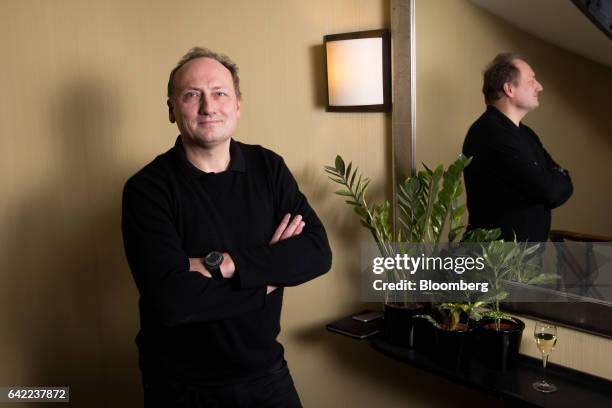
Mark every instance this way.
x=213 y=230
x=512 y=182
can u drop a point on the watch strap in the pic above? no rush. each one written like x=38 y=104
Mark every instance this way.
x=215 y=272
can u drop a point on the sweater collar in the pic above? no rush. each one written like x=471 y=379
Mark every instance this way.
x=493 y=112
x=237 y=163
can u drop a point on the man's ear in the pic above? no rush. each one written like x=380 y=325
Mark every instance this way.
x=508 y=90
x=171 y=111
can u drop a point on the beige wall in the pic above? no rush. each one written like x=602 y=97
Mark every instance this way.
x=455 y=40
x=83 y=107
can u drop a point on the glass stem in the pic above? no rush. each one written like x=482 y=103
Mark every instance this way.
x=544 y=361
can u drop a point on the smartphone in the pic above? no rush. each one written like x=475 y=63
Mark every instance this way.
x=366 y=317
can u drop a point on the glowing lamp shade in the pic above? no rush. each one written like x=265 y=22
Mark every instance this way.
x=358 y=71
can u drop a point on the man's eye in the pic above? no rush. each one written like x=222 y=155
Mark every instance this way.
x=221 y=93
x=191 y=95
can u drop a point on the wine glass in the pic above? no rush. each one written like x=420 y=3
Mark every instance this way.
x=545 y=335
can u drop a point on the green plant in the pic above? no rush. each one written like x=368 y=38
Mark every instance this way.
x=453 y=311
x=515 y=262
x=373 y=217
x=428 y=205
x=427 y=202
x=430 y=199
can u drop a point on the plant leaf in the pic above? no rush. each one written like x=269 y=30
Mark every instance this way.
x=344 y=193
x=340 y=165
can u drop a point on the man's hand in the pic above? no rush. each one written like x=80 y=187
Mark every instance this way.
x=286 y=230
x=227 y=267
x=197 y=265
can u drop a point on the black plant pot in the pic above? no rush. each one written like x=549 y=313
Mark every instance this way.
x=399 y=322
x=423 y=336
x=453 y=348
x=499 y=349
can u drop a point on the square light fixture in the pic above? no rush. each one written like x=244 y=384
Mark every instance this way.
x=358 y=71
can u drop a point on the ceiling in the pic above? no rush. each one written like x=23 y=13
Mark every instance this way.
x=558 y=22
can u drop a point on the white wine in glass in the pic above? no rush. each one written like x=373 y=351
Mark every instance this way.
x=545 y=335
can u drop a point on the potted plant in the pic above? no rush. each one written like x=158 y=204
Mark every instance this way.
x=499 y=334
x=455 y=319
x=428 y=203
x=451 y=327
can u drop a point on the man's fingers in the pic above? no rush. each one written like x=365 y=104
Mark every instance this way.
x=299 y=229
x=280 y=229
x=196 y=265
x=290 y=230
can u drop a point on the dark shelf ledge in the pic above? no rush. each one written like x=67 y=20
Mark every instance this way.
x=513 y=386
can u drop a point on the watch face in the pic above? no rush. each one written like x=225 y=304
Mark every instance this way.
x=214 y=258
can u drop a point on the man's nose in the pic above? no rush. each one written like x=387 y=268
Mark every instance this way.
x=206 y=105
x=540 y=88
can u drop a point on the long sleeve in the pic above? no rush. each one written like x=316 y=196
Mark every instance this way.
x=564 y=188
x=160 y=266
x=197 y=328
x=504 y=155
x=512 y=183
x=292 y=261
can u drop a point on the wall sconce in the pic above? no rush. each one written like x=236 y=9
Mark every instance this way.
x=358 y=71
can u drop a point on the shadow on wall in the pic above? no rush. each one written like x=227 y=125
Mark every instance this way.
x=72 y=313
x=318 y=75
x=344 y=232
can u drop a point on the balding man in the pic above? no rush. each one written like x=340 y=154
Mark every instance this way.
x=512 y=182
x=213 y=230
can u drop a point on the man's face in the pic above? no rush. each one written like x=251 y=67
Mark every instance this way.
x=204 y=103
x=526 y=91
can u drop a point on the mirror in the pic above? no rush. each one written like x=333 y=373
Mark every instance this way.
x=439 y=52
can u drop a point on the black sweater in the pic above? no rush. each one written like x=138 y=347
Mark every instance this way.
x=512 y=182
x=193 y=327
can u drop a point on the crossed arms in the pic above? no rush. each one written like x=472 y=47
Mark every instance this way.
x=287 y=228
x=175 y=288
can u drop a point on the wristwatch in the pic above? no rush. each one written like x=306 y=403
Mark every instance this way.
x=212 y=261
